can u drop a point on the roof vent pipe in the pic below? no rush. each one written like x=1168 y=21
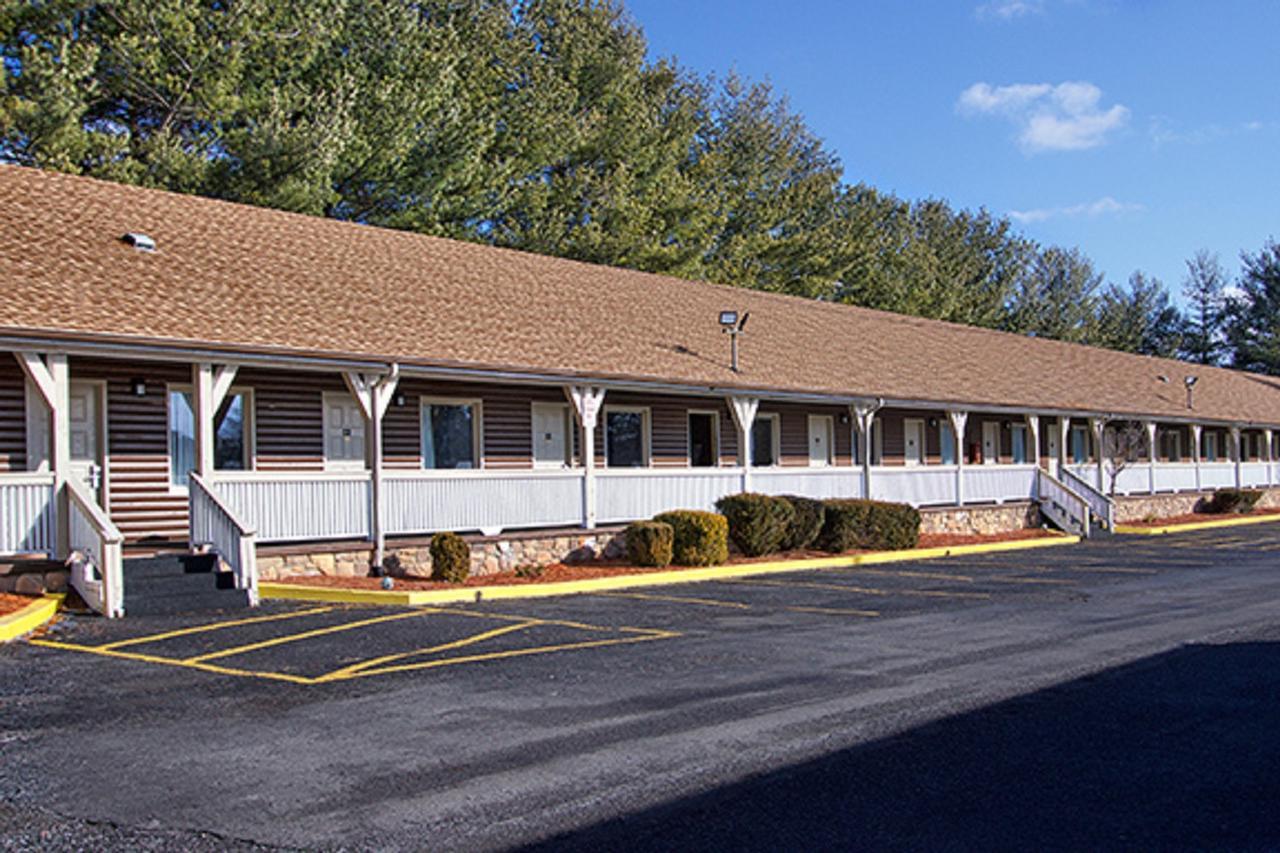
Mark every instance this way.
x=141 y=242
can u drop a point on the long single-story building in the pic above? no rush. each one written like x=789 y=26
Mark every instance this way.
x=280 y=387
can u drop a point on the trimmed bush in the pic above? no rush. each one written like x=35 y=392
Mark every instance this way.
x=1233 y=500
x=807 y=516
x=758 y=524
x=450 y=558
x=649 y=543
x=869 y=525
x=700 y=538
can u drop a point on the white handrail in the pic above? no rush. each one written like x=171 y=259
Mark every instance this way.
x=212 y=521
x=100 y=549
x=1050 y=488
x=1102 y=505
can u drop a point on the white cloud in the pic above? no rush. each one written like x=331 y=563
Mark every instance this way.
x=1007 y=10
x=1065 y=117
x=1090 y=209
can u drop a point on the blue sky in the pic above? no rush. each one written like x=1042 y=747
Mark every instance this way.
x=1139 y=131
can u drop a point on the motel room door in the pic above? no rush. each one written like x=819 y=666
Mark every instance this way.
x=88 y=411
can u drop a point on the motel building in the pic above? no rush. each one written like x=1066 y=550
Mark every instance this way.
x=296 y=393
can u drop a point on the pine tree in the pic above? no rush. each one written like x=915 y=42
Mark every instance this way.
x=1253 y=315
x=1203 y=290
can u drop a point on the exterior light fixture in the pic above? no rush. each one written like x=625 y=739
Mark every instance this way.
x=732 y=325
x=399 y=400
x=138 y=386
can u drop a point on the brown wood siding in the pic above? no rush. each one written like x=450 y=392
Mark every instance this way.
x=139 y=499
x=289 y=417
x=13 y=415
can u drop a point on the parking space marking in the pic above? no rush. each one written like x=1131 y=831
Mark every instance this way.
x=443 y=647
x=836 y=611
x=214 y=626
x=943 y=576
x=675 y=599
x=1115 y=570
x=863 y=590
x=203 y=667
x=305 y=635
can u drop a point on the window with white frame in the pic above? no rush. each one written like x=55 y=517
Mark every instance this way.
x=1079 y=445
x=232 y=433
x=704 y=439
x=947 y=441
x=1020 y=451
x=450 y=433
x=626 y=437
x=765 y=438
x=1209 y=451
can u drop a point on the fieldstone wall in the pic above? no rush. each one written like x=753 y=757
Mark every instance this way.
x=981 y=520
x=1143 y=507
x=35 y=577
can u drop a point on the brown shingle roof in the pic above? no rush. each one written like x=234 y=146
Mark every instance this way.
x=233 y=276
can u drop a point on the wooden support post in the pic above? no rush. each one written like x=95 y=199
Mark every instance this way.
x=50 y=376
x=1235 y=446
x=1151 y=456
x=744 y=411
x=587 y=402
x=1196 y=431
x=1099 y=428
x=373 y=394
x=1033 y=434
x=864 y=417
x=1266 y=439
x=211 y=384
x=958 y=422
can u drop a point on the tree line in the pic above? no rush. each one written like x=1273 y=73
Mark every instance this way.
x=542 y=125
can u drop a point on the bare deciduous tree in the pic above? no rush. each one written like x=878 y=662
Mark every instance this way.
x=1123 y=444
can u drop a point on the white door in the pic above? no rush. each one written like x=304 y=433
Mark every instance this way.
x=85 y=423
x=343 y=432
x=990 y=443
x=1052 y=444
x=550 y=435
x=913 y=441
x=821 y=428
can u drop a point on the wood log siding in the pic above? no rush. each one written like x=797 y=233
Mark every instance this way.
x=13 y=415
x=289 y=417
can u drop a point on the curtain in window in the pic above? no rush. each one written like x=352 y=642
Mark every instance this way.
x=624 y=437
x=182 y=437
x=947 y=438
x=448 y=436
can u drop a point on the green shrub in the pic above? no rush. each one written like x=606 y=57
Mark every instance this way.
x=1233 y=500
x=701 y=538
x=807 y=516
x=758 y=524
x=649 y=543
x=450 y=558
x=869 y=525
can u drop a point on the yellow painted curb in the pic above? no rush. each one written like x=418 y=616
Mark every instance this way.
x=300 y=592
x=26 y=620
x=1195 y=525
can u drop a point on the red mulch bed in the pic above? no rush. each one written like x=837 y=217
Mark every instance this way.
x=1192 y=517
x=559 y=572
x=13 y=603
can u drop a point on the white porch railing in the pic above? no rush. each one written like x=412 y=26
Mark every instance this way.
x=28 y=514
x=999 y=483
x=1101 y=505
x=428 y=501
x=97 y=560
x=920 y=485
x=1063 y=506
x=1175 y=477
x=1217 y=475
x=213 y=523
x=627 y=494
x=818 y=483
x=1253 y=474
x=284 y=507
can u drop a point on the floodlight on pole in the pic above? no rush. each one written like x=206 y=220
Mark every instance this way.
x=731 y=325
x=1190 y=382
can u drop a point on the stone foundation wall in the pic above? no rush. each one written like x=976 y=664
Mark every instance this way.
x=980 y=520
x=1140 y=507
x=32 y=579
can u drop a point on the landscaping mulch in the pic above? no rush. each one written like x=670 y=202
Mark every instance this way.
x=1193 y=517
x=13 y=603
x=560 y=572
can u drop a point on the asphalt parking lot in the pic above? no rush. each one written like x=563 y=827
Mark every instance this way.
x=603 y=719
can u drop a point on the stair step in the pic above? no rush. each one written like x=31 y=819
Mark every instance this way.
x=175 y=565
x=210 y=600
x=178 y=584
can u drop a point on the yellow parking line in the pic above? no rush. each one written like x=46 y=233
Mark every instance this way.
x=443 y=647
x=836 y=611
x=305 y=635
x=1016 y=579
x=863 y=590
x=203 y=667
x=677 y=599
x=435 y=664
x=214 y=626
x=939 y=576
x=1116 y=570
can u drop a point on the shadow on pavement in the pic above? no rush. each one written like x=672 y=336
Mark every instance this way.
x=1176 y=751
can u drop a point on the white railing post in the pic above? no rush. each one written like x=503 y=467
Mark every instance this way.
x=864 y=415
x=1196 y=431
x=50 y=376
x=373 y=393
x=212 y=521
x=587 y=401
x=101 y=547
x=1151 y=456
x=1235 y=444
x=1064 y=436
x=1099 y=428
x=744 y=411
x=1266 y=439
x=958 y=422
x=1033 y=435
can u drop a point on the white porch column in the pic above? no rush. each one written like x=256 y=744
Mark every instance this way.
x=373 y=394
x=587 y=401
x=744 y=415
x=1235 y=445
x=1151 y=456
x=1033 y=433
x=864 y=415
x=1195 y=451
x=1064 y=436
x=51 y=377
x=958 y=422
x=1266 y=439
x=1099 y=428
x=211 y=383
